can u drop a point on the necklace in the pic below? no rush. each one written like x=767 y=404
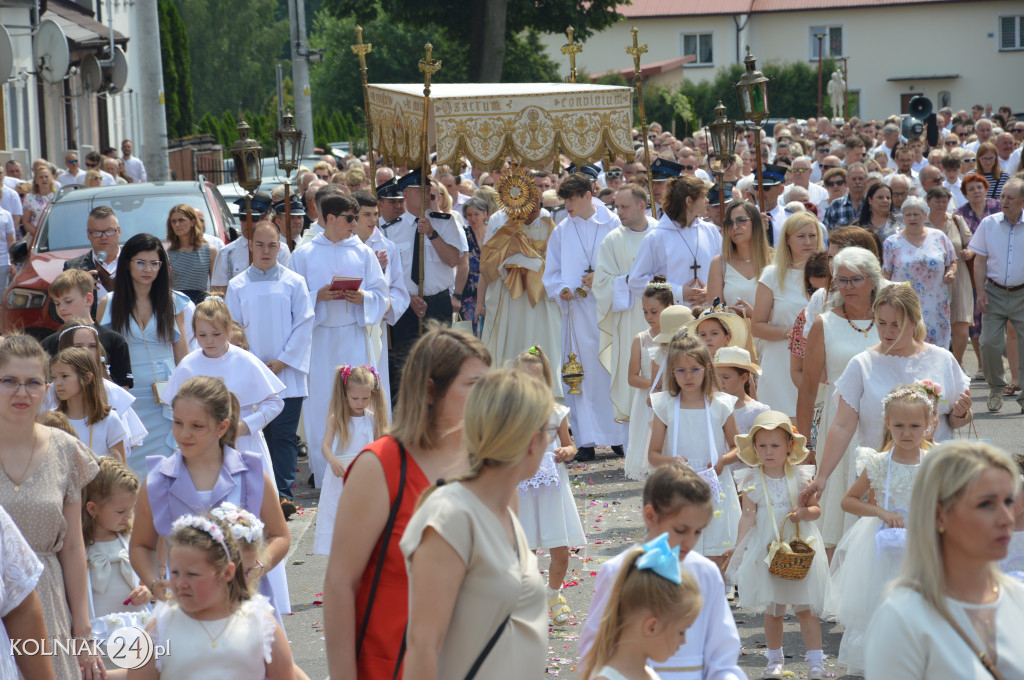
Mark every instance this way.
x=695 y=267
x=582 y=290
x=864 y=331
x=24 y=473
x=213 y=638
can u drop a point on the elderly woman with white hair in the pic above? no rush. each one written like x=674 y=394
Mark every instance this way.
x=835 y=337
x=926 y=259
x=951 y=613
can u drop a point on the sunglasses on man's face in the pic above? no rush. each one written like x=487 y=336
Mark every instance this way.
x=613 y=174
x=836 y=183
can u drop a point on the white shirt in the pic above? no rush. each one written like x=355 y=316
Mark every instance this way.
x=669 y=250
x=1009 y=166
x=11 y=182
x=1003 y=245
x=66 y=178
x=958 y=194
x=6 y=229
x=135 y=169
x=10 y=201
x=395 y=275
x=108 y=179
x=233 y=259
x=437 y=276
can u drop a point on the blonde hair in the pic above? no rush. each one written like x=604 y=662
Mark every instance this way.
x=112 y=477
x=90 y=379
x=639 y=591
x=432 y=366
x=505 y=409
x=902 y=298
x=906 y=396
x=213 y=395
x=215 y=311
x=239 y=589
x=941 y=482
x=237 y=337
x=58 y=421
x=696 y=350
x=23 y=346
x=783 y=256
x=360 y=376
x=535 y=357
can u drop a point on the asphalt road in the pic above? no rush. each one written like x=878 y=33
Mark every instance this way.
x=609 y=506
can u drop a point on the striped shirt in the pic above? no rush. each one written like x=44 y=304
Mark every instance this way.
x=190 y=269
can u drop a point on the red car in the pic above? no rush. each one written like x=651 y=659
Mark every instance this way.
x=140 y=208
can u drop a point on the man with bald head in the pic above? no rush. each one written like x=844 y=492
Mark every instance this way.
x=931 y=177
x=800 y=175
x=1009 y=158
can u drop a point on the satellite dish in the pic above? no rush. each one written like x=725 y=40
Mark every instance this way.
x=91 y=72
x=6 y=55
x=50 y=51
x=115 y=75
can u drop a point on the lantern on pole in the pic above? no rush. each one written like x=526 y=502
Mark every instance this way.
x=753 y=87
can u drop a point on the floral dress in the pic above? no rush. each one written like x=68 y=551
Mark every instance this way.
x=923 y=267
x=469 y=291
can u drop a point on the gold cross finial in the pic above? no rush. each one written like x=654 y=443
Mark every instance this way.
x=636 y=50
x=429 y=67
x=571 y=49
x=360 y=48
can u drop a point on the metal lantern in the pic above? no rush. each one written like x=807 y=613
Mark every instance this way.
x=723 y=136
x=289 y=142
x=753 y=87
x=248 y=166
x=572 y=374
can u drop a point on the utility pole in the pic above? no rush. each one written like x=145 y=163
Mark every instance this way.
x=152 y=110
x=300 y=73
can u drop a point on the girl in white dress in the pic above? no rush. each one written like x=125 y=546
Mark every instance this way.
x=107 y=505
x=781 y=296
x=869 y=555
x=225 y=630
x=736 y=371
x=81 y=397
x=657 y=297
x=357 y=416
x=547 y=509
x=652 y=604
x=672 y=321
x=21 y=617
x=774 y=450
x=694 y=423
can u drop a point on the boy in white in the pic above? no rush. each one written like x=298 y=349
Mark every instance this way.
x=569 y=276
x=273 y=305
x=343 y=318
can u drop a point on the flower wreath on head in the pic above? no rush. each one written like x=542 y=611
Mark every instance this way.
x=659 y=285
x=230 y=513
x=916 y=391
x=202 y=524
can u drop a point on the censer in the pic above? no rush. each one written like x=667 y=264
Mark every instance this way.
x=572 y=370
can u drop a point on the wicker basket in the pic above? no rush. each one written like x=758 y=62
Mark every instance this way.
x=794 y=565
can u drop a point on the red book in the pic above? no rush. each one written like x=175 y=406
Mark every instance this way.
x=345 y=283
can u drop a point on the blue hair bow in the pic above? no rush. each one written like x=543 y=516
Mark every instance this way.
x=661 y=558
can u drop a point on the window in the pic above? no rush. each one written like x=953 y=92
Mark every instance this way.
x=831 y=45
x=1011 y=33
x=699 y=44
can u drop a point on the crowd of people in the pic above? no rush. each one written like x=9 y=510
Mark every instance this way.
x=780 y=359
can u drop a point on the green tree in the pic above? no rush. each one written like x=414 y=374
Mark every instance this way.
x=174 y=53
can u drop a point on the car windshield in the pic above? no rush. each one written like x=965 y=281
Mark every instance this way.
x=64 y=228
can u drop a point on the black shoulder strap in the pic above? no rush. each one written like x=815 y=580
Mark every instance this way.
x=487 y=649
x=382 y=555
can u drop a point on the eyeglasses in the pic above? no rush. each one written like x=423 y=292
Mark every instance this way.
x=323 y=177
x=91 y=166
x=951 y=142
x=73 y=161
x=613 y=174
x=799 y=171
x=829 y=167
x=856 y=281
x=738 y=222
x=968 y=160
x=823 y=150
x=695 y=371
x=34 y=388
x=963 y=135
x=102 y=233
x=688 y=167
x=349 y=219
x=836 y=183
x=147 y=266
x=1018 y=131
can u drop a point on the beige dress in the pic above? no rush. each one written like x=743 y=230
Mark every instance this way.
x=499 y=581
x=961 y=294
x=37 y=508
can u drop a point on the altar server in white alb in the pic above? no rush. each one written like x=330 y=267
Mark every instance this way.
x=682 y=244
x=569 y=277
x=272 y=304
x=443 y=245
x=345 y=314
x=391 y=262
x=233 y=259
x=620 y=315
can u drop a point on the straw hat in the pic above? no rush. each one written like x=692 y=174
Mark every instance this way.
x=770 y=420
x=673 y=319
x=736 y=357
x=738 y=328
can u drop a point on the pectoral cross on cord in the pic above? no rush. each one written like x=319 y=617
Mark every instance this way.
x=695 y=267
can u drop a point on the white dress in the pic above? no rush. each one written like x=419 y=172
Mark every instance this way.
x=547 y=509
x=690 y=439
x=907 y=639
x=736 y=286
x=760 y=590
x=244 y=642
x=637 y=466
x=744 y=418
x=101 y=436
x=871 y=375
x=860 y=572
x=610 y=673
x=842 y=343
x=20 y=570
x=775 y=386
x=360 y=433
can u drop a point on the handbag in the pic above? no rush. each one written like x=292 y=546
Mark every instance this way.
x=985 y=661
x=460 y=324
x=890 y=542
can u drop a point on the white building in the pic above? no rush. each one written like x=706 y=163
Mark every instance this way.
x=956 y=52
x=41 y=119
